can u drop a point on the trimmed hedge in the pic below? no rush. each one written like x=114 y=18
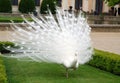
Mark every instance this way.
x=50 y=3
x=5 y=44
x=103 y=60
x=5 y=6
x=106 y=61
x=26 y=6
x=3 y=76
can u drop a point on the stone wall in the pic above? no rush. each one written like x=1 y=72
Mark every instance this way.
x=95 y=27
x=105 y=28
x=105 y=19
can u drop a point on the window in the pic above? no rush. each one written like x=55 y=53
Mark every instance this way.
x=78 y=4
x=14 y=2
x=37 y=2
x=59 y=3
x=99 y=6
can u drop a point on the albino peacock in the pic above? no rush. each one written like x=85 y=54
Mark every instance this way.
x=62 y=39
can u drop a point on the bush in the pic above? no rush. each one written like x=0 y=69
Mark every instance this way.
x=5 y=44
x=50 y=3
x=27 y=6
x=5 y=6
x=106 y=61
x=3 y=77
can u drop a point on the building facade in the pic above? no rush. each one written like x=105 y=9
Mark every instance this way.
x=90 y=6
x=98 y=6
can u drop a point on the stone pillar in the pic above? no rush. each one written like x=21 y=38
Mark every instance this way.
x=41 y=1
x=85 y=5
x=90 y=5
x=93 y=5
x=18 y=1
x=65 y=4
x=105 y=8
x=73 y=4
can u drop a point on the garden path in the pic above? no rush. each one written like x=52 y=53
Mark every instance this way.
x=108 y=41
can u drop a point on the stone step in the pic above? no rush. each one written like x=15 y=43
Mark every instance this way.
x=95 y=27
x=105 y=27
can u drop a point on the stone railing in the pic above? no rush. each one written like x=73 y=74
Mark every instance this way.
x=95 y=27
x=98 y=23
x=105 y=27
x=92 y=19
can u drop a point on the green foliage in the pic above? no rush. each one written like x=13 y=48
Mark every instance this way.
x=106 y=61
x=48 y=4
x=3 y=77
x=5 y=6
x=13 y=18
x=112 y=2
x=26 y=6
x=5 y=44
x=35 y=72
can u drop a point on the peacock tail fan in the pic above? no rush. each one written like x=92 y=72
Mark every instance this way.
x=61 y=38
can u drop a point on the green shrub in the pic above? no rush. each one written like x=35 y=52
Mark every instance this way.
x=5 y=44
x=3 y=77
x=50 y=3
x=26 y=6
x=106 y=61
x=5 y=6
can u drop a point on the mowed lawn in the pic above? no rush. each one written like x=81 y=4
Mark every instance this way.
x=33 y=72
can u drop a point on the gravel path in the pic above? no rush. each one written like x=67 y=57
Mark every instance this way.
x=108 y=41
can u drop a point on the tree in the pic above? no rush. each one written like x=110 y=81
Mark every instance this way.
x=48 y=4
x=5 y=6
x=27 y=6
x=112 y=2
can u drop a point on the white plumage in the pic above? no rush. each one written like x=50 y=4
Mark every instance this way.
x=63 y=39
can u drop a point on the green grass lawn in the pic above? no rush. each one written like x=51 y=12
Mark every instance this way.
x=14 y=18
x=33 y=72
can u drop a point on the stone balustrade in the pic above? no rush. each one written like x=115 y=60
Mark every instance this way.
x=95 y=27
x=94 y=19
x=98 y=23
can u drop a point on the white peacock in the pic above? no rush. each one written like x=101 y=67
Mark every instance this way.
x=62 y=39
